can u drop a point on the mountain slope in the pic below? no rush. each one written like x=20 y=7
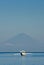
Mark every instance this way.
x=22 y=42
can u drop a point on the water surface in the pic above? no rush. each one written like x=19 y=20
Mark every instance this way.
x=17 y=59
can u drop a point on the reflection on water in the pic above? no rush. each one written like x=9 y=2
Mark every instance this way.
x=23 y=60
x=17 y=59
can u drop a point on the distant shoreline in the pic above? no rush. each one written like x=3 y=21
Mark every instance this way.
x=19 y=52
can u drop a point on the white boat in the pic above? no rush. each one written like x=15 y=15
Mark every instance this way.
x=23 y=53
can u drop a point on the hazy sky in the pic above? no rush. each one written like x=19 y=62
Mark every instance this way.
x=21 y=16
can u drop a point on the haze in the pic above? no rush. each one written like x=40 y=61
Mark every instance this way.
x=21 y=16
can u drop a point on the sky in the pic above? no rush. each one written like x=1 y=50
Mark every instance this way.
x=21 y=16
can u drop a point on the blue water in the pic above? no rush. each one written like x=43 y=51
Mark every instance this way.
x=17 y=59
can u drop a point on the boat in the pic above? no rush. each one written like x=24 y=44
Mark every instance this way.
x=23 y=53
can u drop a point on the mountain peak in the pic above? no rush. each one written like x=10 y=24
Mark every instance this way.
x=21 y=38
x=22 y=35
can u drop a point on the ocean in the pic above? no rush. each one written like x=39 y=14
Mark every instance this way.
x=17 y=59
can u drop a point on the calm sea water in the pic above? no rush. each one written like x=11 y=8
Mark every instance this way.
x=17 y=59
